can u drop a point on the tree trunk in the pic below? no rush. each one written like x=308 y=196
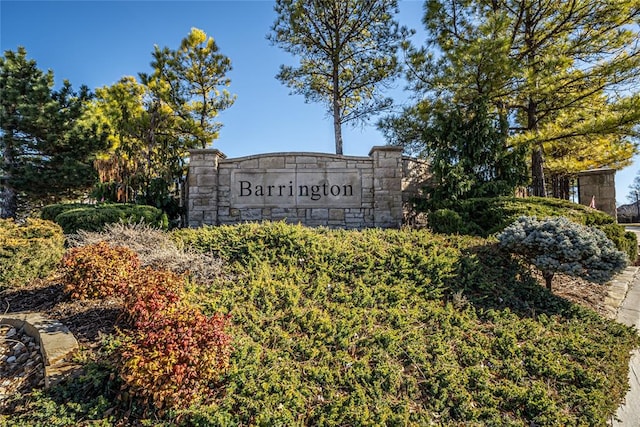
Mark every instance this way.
x=538 y=184
x=337 y=125
x=335 y=77
x=548 y=277
x=561 y=186
x=537 y=156
x=537 y=173
x=9 y=202
x=8 y=194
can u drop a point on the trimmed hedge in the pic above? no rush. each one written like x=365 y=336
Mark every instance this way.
x=28 y=251
x=73 y=217
x=50 y=212
x=488 y=216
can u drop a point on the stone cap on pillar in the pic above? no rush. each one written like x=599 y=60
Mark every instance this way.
x=393 y=148
x=209 y=151
x=599 y=171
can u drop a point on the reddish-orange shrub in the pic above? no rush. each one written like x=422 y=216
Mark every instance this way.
x=174 y=353
x=152 y=291
x=98 y=271
x=177 y=361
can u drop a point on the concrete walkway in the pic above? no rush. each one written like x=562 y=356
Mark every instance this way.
x=628 y=414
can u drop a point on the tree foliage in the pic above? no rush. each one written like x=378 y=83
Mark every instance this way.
x=347 y=51
x=565 y=74
x=155 y=120
x=48 y=139
x=467 y=149
x=192 y=81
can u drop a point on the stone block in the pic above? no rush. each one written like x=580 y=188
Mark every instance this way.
x=224 y=179
x=300 y=160
x=271 y=163
x=210 y=218
x=195 y=157
x=393 y=163
x=207 y=180
x=254 y=214
x=336 y=214
x=320 y=214
x=249 y=164
x=336 y=164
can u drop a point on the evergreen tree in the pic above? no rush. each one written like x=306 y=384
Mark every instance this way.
x=192 y=81
x=467 y=150
x=565 y=73
x=155 y=121
x=48 y=142
x=347 y=51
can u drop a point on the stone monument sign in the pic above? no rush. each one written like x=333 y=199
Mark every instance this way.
x=309 y=188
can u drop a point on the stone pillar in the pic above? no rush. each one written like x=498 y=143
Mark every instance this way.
x=202 y=197
x=387 y=186
x=598 y=185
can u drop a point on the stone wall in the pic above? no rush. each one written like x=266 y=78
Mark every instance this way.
x=598 y=185
x=310 y=188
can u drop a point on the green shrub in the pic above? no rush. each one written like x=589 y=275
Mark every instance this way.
x=335 y=327
x=558 y=245
x=28 y=251
x=487 y=216
x=373 y=327
x=625 y=241
x=446 y=221
x=95 y=217
x=50 y=212
x=631 y=239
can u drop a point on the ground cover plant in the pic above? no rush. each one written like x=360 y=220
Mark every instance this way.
x=374 y=327
x=401 y=327
x=28 y=251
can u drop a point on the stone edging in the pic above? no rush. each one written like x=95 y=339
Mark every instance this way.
x=618 y=288
x=56 y=342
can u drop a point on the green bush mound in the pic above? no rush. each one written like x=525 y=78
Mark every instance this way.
x=28 y=251
x=400 y=328
x=487 y=216
x=73 y=217
x=50 y=212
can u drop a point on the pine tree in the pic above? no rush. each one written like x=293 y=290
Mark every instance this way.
x=467 y=150
x=566 y=73
x=48 y=141
x=347 y=51
x=192 y=81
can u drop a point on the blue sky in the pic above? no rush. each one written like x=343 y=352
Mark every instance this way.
x=97 y=42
